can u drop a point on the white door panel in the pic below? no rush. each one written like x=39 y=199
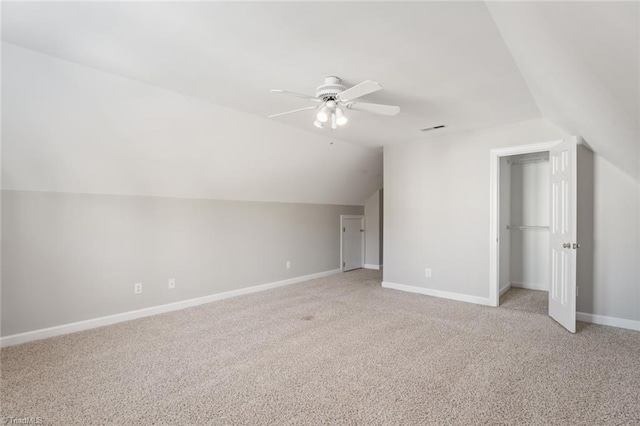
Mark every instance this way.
x=563 y=233
x=352 y=244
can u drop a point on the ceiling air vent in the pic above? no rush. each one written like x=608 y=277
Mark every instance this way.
x=433 y=128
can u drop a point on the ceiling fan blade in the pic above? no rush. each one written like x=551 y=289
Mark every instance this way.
x=290 y=112
x=389 y=110
x=297 y=95
x=359 y=90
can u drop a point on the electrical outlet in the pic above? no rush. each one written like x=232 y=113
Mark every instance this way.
x=137 y=288
x=427 y=273
x=172 y=283
x=288 y=264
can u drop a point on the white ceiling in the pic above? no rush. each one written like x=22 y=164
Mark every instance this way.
x=170 y=98
x=581 y=62
x=71 y=128
x=441 y=62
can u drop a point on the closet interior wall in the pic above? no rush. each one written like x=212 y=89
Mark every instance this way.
x=524 y=213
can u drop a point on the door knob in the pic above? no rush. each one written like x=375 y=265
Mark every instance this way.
x=566 y=245
x=576 y=246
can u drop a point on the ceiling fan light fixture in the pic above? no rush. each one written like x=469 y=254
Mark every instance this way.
x=323 y=115
x=341 y=119
x=332 y=98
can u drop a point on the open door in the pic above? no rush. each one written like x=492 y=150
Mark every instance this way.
x=352 y=241
x=563 y=232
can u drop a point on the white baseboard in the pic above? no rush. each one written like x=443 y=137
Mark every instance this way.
x=504 y=289
x=580 y=316
x=610 y=321
x=531 y=286
x=370 y=266
x=438 y=293
x=44 y=333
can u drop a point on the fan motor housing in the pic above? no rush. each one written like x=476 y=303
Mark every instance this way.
x=330 y=88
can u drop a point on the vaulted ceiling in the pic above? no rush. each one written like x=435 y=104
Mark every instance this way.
x=443 y=63
x=581 y=63
x=467 y=65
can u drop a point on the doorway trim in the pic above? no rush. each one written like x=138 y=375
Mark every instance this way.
x=362 y=226
x=494 y=209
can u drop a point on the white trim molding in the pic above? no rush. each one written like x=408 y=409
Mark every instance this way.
x=370 y=266
x=504 y=289
x=438 y=293
x=610 y=321
x=530 y=286
x=59 y=330
x=580 y=316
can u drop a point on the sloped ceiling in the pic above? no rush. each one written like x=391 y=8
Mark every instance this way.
x=71 y=128
x=580 y=61
x=170 y=98
x=441 y=62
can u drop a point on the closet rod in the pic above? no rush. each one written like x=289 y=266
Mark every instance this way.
x=529 y=160
x=525 y=227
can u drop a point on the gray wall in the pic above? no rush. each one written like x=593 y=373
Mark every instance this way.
x=373 y=235
x=437 y=216
x=72 y=257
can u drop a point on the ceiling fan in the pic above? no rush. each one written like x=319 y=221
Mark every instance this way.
x=332 y=98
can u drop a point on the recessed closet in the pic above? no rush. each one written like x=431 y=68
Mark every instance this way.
x=524 y=222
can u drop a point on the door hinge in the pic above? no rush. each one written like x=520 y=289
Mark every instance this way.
x=344 y=229
x=344 y=264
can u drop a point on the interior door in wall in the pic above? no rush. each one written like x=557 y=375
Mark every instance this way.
x=563 y=233
x=352 y=243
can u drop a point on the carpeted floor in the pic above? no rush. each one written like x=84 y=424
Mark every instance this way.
x=519 y=299
x=337 y=350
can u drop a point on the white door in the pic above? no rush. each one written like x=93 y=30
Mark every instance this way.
x=563 y=233
x=352 y=243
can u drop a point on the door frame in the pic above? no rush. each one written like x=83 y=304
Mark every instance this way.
x=494 y=208
x=362 y=224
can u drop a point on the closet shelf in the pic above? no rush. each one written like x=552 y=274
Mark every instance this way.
x=526 y=227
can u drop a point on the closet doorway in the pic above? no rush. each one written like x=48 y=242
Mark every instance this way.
x=541 y=227
x=351 y=242
x=525 y=267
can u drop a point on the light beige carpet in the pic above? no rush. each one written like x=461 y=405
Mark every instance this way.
x=338 y=350
x=519 y=299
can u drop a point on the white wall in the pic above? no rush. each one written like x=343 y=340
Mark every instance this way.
x=437 y=216
x=529 y=202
